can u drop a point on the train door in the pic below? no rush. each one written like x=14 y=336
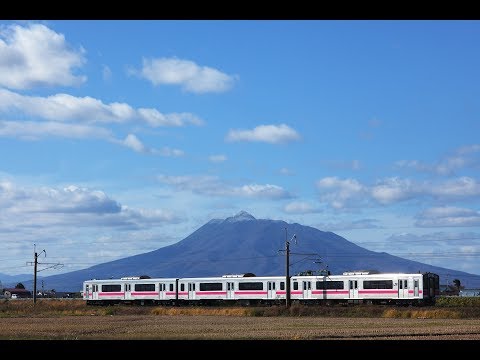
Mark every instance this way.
x=162 y=288
x=272 y=292
x=353 y=289
x=191 y=290
x=402 y=288
x=128 y=291
x=415 y=287
x=95 y=292
x=307 y=289
x=230 y=290
x=90 y=292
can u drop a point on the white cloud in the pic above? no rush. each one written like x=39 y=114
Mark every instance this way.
x=71 y=205
x=155 y=118
x=300 y=207
x=260 y=191
x=32 y=130
x=192 y=77
x=64 y=107
x=132 y=142
x=349 y=225
x=212 y=185
x=463 y=157
x=217 y=158
x=456 y=188
x=168 y=152
x=273 y=134
x=34 y=55
x=393 y=190
x=340 y=193
x=351 y=193
x=448 y=216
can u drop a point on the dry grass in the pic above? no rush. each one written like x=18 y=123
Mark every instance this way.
x=78 y=307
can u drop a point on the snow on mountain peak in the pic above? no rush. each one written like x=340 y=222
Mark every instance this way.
x=241 y=216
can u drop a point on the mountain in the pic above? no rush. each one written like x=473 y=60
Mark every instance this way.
x=241 y=244
x=12 y=280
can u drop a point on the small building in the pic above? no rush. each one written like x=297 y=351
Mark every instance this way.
x=470 y=292
x=19 y=293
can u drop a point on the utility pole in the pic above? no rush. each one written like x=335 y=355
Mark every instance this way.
x=35 y=263
x=35 y=275
x=287 y=268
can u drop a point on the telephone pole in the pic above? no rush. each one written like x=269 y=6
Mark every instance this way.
x=35 y=264
x=287 y=268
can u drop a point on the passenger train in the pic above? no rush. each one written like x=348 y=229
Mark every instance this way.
x=247 y=289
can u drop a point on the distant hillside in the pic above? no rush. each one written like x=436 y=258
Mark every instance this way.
x=242 y=244
x=12 y=280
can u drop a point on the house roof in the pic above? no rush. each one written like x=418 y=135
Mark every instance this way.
x=17 y=291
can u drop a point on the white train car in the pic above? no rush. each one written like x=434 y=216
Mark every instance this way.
x=248 y=289
x=365 y=287
x=131 y=289
x=243 y=289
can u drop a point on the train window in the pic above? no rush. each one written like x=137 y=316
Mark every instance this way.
x=378 y=284
x=405 y=284
x=182 y=287
x=295 y=285
x=210 y=286
x=112 y=288
x=144 y=287
x=171 y=287
x=273 y=286
x=250 y=286
x=329 y=285
x=282 y=285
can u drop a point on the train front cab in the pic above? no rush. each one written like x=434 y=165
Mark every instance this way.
x=431 y=288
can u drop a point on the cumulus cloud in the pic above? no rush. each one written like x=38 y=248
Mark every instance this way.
x=72 y=205
x=186 y=73
x=273 y=134
x=447 y=216
x=212 y=185
x=300 y=207
x=217 y=158
x=64 y=107
x=132 y=142
x=393 y=190
x=34 y=55
x=351 y=193
x=340 y=193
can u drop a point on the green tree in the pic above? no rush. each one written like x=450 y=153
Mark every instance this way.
x=457 y=283
x=19 y=286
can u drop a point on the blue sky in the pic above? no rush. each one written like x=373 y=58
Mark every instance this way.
x=121 y=137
